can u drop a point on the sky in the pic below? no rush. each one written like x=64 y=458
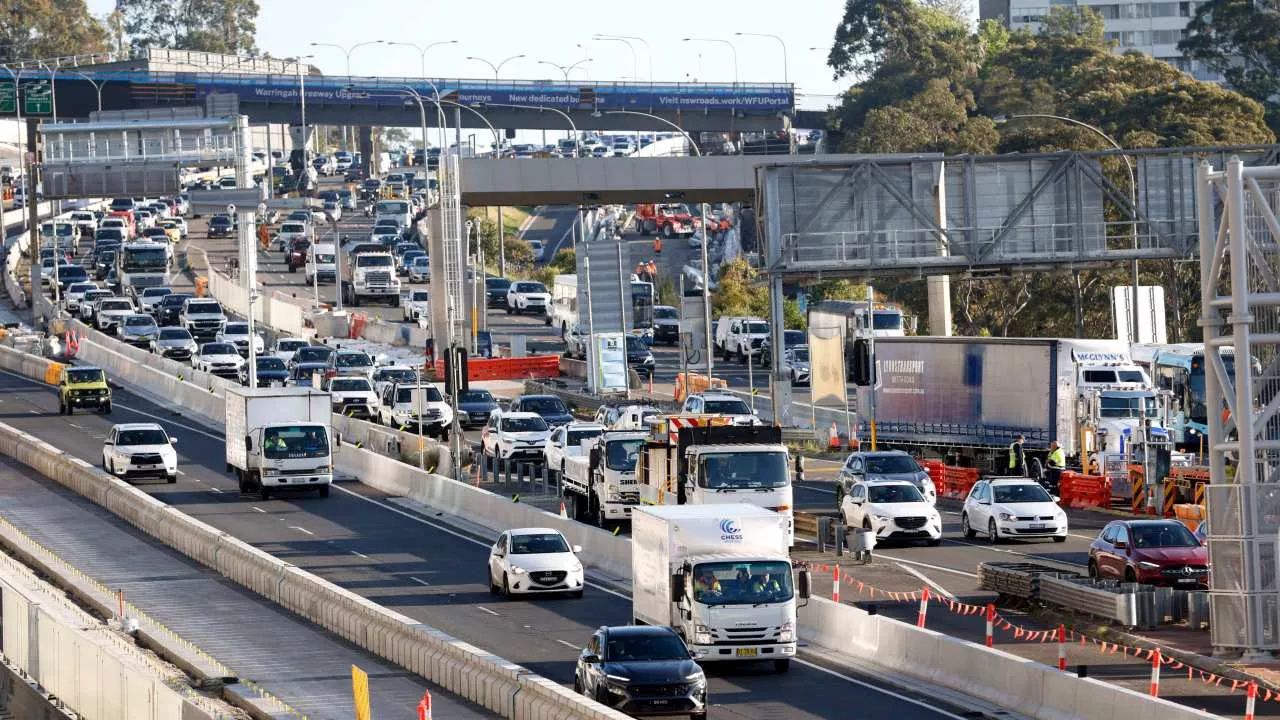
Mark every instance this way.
x=561 y=32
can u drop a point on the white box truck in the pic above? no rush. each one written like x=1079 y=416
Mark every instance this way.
x=279 y=438
x=720 y=575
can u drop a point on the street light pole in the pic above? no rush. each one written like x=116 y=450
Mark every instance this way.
x=1133 y=200
x=647 y=50
x=347 y=52
x=785 y=72
x=632 y=48
x=422 y=50
x=732 y=48
x=497 y=69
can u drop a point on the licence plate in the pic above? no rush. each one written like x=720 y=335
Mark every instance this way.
x=146 y=467
x=746 y=652
x=1037 y=526
x=659 y=702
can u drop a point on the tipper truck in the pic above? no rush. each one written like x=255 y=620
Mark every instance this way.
x=705 y=460
x=601 y=481
x=968 y=397
x=720 y=576
x=279 y=438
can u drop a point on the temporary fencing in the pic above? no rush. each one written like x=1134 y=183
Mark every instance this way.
x=1084 y=491
x=535 y=366
x=993 y=621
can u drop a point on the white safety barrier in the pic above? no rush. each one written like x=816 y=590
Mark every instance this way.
x=100 y=675
x=485 y=679
x=1023 y=686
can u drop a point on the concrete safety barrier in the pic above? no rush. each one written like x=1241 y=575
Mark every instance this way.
x=100 y=675
x=483 y=678
x=1017 y=684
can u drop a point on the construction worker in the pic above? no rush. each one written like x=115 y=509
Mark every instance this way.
x=653 y=272
x=705 y=584
x=764 y=584
x=264 y=236
x=1017 y=459
x=657 y=245
x=1055 y=463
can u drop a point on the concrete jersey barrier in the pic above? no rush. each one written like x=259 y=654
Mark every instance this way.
x=483 y=678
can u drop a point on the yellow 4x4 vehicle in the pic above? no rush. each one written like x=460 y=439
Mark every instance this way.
x=83 y=386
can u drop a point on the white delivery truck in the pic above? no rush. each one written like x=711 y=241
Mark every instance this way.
x=279 y=438
x=720 y=576
x=601 y=482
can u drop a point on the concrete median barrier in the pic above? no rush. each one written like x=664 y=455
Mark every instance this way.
x=1017 y=684
x=455 y=666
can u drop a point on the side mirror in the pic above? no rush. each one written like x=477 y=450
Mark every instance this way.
x=173 y=440
x=677 y=587
x=591 y=659
x=804 y=584
x=577 y=549
x=857 y=500
x=108 y=442
x=248 y=444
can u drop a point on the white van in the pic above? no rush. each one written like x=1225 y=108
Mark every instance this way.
x=321 y=263
x=399 y=210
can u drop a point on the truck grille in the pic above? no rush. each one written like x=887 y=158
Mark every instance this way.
x=629 y=498
x=741 y=635
x=910 y=523
x=146 y=282
x=380 y=277
x=548 y=577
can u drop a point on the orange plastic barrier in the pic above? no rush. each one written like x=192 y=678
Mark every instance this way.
x=356 y=325
x=689 y=383
x=1084 y=491
x=536 y=366
x=958 y=481
x=1189 y=515
x=936 y=471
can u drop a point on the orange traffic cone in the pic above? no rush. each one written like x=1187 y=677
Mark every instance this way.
x=563 y=513
x=833 y=440
x=854 y=442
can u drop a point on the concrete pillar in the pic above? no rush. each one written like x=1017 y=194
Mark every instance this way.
x=367 y=149
x=940 y=285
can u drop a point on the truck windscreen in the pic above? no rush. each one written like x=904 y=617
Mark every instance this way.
x=1126 y=407
x=286 y=442
x=742 y=583
x=743 y=471
x=886 y=320
x=621 y=455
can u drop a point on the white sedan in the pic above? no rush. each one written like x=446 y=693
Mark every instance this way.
x=566 y=441
x=134 y=450
x=893 y=510
x=1013 y=508
x=528 y=561
x=218 y=358
x=286 y=347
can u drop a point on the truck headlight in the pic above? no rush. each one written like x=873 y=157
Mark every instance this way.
x=614 y=496
x=701 y=635
x=787 y=633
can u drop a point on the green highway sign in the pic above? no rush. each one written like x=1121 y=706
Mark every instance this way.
x=8 y=98
x=37 y=98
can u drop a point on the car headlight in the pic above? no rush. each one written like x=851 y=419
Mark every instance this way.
x=517 y=570
x=618 y=678
x=577 y=567
x=788 y=632
x=701 y=635
x=883 y=518
x=1148 y=565
x=1005 y=516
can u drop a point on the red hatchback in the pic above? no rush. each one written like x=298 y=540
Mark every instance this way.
x=1155 y=552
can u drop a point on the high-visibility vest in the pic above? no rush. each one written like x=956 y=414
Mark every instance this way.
x=1057 y=458
x=1013 y=455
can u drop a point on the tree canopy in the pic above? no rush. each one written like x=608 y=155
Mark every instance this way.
x=220 y=26
x=48 y=28
x=1241 y=40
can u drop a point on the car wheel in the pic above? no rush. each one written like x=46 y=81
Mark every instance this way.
x=324 y=491
x=1058 y=539
x=106 y=409
x=993 y=532
x=577 y=594
x=1130 y=576
x=969 y=532
x=1093 y=570
x=508 y=309
x=104 y=464
x=547 y=321
x=934 y=542
x=506 y=587
x=171 y=479
x=488 y=574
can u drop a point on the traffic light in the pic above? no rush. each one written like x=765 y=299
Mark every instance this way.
x=455 y=359
x=862 y=363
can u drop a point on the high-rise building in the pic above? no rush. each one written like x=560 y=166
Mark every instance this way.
x=1153 y=27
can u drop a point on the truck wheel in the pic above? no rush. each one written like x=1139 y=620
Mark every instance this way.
x=264 y=491
x=355 y=299
x=547 y=321
x=324 y=491
x=667 y=232
x=781 y=666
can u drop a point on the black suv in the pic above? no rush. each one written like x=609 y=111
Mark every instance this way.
x=549 y=407
x=641 y=670
x=169 y=307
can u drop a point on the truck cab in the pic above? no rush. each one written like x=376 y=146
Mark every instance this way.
x=603 y=478
x=704 y=460
x=721 y=577
x=370 y=275
x=279 y=439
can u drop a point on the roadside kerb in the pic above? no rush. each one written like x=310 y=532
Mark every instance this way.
x=464 y=670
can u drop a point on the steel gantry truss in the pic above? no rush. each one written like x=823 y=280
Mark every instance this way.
x=1239 y=243
x=882 y=217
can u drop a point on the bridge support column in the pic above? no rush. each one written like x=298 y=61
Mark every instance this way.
x=779 y=381
x=367 y=150
x=939 y=286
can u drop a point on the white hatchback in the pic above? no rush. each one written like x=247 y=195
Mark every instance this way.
x=1012 y=508
x=893 y=510
x=528 y=561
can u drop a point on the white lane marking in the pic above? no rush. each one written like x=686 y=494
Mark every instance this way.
x=481 y=607
x=215 y=490
x=939 y=568
x=34 y=412
x=567 y=644
x=301 y=529
x=420 y=581
x=1014 y=552
x=814 y=489
x=928 y=581
x=258 y=509
x=359 y=554
x=78 y=427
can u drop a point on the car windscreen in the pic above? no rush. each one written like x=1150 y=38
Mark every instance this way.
x=139 y=321
x=891 y=465
x=399 y=375
x=174 y=334
x=202 y=308
x=726 y=407
x=524 y=424
x=895 y=493
x=84 y=375
x=237 y=329
x=218 y=349
x=353 y=360
x=156 y=292
x=530 y=287
x=312 y=354
x=538 y=544
x=270 y=363
x=543 y=406
x=115 y=305
x=577 y=436
x=293 y=228
x=349 y=385
x=476 y=396
x=496 y=283
x=1020 y=493
x=148 y=436
x=290 y=345
x=294 y=442
x=665 y=313
x=801 y=356
x=658 y=646
x=741 y=471
x=1162 y=535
